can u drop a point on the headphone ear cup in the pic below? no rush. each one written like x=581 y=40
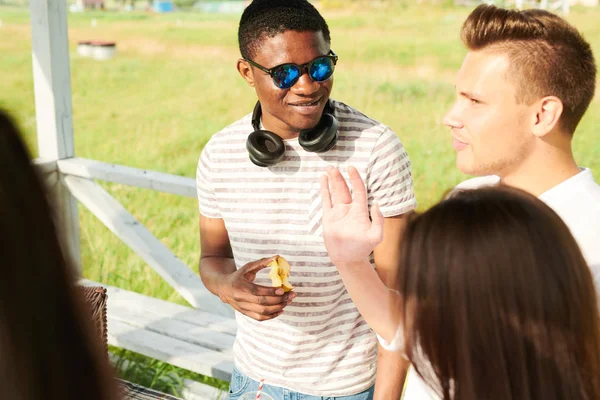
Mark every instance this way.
x=322 y=137
x=265 y=148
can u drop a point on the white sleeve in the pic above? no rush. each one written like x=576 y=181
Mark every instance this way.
x=389 y=180
x=397 y=343
x=207 y=199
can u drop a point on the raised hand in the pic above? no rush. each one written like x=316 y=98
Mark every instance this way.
x=349 y=234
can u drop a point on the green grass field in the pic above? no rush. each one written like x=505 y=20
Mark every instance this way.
x=174 y=83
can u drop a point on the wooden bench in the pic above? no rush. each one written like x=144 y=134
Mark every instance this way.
x=181 y=336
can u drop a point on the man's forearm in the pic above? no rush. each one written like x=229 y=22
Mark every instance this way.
x=213 y=270
x=391 y=373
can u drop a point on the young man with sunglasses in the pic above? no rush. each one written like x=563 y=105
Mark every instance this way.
x=258 y=191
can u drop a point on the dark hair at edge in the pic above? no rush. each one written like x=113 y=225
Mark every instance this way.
x=49 y=348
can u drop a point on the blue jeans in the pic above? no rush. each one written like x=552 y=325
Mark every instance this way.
x=241 y=384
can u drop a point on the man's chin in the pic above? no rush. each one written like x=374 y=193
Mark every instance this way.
x=300 y=126
x=475 y=170
x=467 y=167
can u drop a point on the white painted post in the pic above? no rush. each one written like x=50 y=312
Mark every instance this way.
x=52 y=86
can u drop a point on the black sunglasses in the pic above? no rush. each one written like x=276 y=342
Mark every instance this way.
x=286 y=75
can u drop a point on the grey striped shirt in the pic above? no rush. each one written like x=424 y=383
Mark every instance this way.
x=320 y=345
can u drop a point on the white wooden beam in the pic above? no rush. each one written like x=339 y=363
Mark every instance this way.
x=158 y=181
x=173 y=327
x=173 y=351
x=145 y=244
x=44 y=165
x=52 y=88
x=48 y=171
x=143 y=304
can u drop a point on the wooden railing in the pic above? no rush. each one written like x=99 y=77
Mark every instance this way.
x=71 y=179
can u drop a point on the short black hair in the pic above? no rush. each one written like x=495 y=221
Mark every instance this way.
x=268 y=18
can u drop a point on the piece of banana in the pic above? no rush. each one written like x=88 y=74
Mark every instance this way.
x=279 y=274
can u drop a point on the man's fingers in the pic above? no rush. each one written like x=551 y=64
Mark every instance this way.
x=264 y=300
x=262 y=310
x=260 y=317
x=266 y=291
x=325 y=195
x=358 y=186
x=257 y=265
x=250 y=292
x=340 y=192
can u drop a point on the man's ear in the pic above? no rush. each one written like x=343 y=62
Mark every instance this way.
x=548 y=111
x=245 y=71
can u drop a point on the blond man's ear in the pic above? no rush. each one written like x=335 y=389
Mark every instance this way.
x=548 y=111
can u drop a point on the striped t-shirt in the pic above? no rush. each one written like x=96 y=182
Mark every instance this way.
x=320 y=345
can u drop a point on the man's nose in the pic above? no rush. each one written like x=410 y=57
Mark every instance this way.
x=305 y=85
x=452 y=117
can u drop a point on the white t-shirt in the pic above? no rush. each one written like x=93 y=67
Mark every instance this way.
x=577 y=202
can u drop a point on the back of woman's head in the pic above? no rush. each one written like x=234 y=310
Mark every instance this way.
x=47 y=346
x=499 y=302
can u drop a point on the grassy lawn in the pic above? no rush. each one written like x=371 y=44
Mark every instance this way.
x=173 y=84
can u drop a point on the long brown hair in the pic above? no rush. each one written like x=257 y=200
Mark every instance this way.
x=499 y=302
x=549 y=57
x=47 y=345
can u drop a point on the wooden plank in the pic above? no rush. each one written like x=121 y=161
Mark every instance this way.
x=52 y=88
x=158 y=181
x=45 y=165
x=173 y=351
x=165 y=309
x=52 y=78
x=172 y=327
x=48 y=171
x=139 y=239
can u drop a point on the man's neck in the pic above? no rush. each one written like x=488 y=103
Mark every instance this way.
x=279 y=128
x=541 y=172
